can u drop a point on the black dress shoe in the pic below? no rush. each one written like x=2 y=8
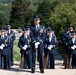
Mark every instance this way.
x=32 y=71
x=42 y=71
x=9 y=67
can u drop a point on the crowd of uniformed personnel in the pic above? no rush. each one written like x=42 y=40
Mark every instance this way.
x=69 y=46
x=36 y=40
x=7 y=36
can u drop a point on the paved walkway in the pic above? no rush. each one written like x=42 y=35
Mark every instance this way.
x=57 y=71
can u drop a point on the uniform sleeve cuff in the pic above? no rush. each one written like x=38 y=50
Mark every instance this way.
x=41 y=41
x=34 y=41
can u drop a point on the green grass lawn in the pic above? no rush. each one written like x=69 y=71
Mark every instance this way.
x=16 y=51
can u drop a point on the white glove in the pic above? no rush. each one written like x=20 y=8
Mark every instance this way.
x=1 y=47
x=25 y=47
x=37 y=44
x=50 y=47
x=73 y=47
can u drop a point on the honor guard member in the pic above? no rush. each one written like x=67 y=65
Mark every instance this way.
x=11 y=34
x=38 y=36
x=4 y=47
x=1 y=48
x=25 y=46
x=73 y=48
x=45 y=47
x=66 y=37
x=46 y=63
x=51 y=43
x=2 y=38
x=28 y=27
x=9 y=51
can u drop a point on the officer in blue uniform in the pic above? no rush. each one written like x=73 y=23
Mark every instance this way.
x=66 y=38
x=73 y=48
x=25 y=46
x=28 y=27
x=46 y=64
x=11 y=34
x=9 y=51
x=4 y=47
x=51 y=43
x=1 y=48
x=38 y=36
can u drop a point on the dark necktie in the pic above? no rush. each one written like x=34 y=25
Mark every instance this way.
x=37 y=28
x=74 y=41
x=2 y=37
x=25 y=37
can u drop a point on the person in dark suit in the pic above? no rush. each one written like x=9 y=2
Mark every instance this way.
x=66 y=37
x=1 y=47
x=4 y=48
x=11 y=34
x=9 y=50
x=25 y=46
x=73 y=48
x=38 y=36
x=51 y=43
x=46 y=63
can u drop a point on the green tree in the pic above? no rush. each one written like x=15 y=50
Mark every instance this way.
x=21 y=13
x=45 y=9
x=44 y=12
x=6 y=1
x=63 y=14
x=3 y=19
x=5 y=10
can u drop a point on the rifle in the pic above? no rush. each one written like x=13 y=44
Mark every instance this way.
x=45 y=61
x=21 y=62
x=65 y=61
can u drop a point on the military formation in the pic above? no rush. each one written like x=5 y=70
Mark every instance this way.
x=7 y=37
x=69 y=47
x=37 y=41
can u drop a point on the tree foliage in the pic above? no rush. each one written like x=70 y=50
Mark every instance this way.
x=3 y=19
x=4 y=14
x=45 y=9
x=22 y=12
x=44 y=12
x=6 y=1
x=63 y=14
x=58 y=13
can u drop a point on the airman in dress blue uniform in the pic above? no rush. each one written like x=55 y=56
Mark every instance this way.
x=73 y=48
x=25 y=46
x=11 y=34
x=1 y=49
x=51 y=43
x=46 y=64
x=9 y=50
x=4 y=48
x=66 y=40
x=38 y=36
